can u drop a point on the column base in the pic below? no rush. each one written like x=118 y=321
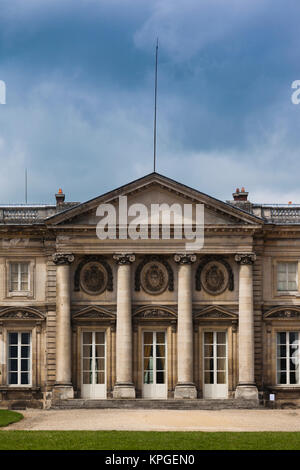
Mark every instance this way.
x=246 y=392
x=124 y=390
x=63 y=392
x=185 y=391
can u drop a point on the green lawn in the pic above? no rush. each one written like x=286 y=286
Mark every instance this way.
x=7 y=417
x=123 y=440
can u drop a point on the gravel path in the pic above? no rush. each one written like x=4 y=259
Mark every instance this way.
x=162 y=420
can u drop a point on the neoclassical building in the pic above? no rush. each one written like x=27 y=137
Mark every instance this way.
x=126 y=318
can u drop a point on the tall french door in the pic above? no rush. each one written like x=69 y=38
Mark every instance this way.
x=215 y=368
x=155 y=364
x=93 y=369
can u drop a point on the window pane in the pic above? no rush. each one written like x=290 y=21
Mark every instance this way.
x=282 y=377
x=209 y=377
x=221 y=364
x=24 y=378
x=99 y=364
x=13 y=338
x=148 y=337
x=13 y=351
x=208 y=364
x=24 y=351
x=100 y=337
x=160 y=350
x=87 y=351
x=87 y=338
x=148 y=377
x=87 y=378
x=293 y=336
x=281 y=338
x=160 y=337
x=25 y=338
x=281 y=351
x=209 y=337
x=24 y=365
x=148 y=351
x=100 y=350
x=13 y=365
x=160 y=377
x=160 y=364
x=148 y=364
x=208 y=350
x=221 y=337
x=13 y=378
x=221 y=377
x=87 y=364
x=100 y=377
x=221 y=350
x=281 y=364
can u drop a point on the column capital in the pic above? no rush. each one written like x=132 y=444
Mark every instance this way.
x=183 y=258
x=124 y=258
x=63 y=258
x=245 y=258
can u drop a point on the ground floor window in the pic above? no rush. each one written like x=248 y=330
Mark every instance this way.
x=19 y=358
x=288 y=358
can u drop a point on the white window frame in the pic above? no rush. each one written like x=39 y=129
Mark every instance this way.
x=287 y=358
x=20 y=293
x=286 y=292
x=19 y=333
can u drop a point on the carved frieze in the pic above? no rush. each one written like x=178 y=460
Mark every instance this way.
x=159 y=312
x=21 y=314
x=283 y=312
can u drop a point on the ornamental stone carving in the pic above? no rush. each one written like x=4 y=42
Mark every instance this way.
x=63 y=258
x=247 y=258
x=93 y=278
x=124 y=258
x=182 y=258
x=154 y=278
x=215 y=275
x=103 y=265
x=214 y=278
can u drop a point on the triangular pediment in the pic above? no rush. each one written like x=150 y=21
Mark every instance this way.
x=215 y=312
x=156 y=189
x=94 y=313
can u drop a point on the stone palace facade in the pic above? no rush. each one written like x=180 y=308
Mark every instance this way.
x=87 y=318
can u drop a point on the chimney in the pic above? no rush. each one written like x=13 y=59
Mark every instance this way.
x=60 y=197
x=240 y=195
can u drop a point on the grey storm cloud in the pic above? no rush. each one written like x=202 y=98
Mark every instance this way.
x=79 y=111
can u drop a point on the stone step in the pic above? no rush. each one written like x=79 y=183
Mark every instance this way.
x=200 y=404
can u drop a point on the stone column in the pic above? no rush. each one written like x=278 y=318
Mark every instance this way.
x=246 y=388
x=124 y=387
x=185 y=387
x=63 y=386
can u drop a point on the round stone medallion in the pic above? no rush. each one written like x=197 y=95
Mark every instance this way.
x=214 y=277
x=154 y=278
x=93 y=278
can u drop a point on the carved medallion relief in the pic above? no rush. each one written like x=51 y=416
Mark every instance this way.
x=154 y=278
x=93 y=278
x=214 y=278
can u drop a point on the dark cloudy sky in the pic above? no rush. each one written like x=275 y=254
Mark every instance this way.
x=80 y=76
